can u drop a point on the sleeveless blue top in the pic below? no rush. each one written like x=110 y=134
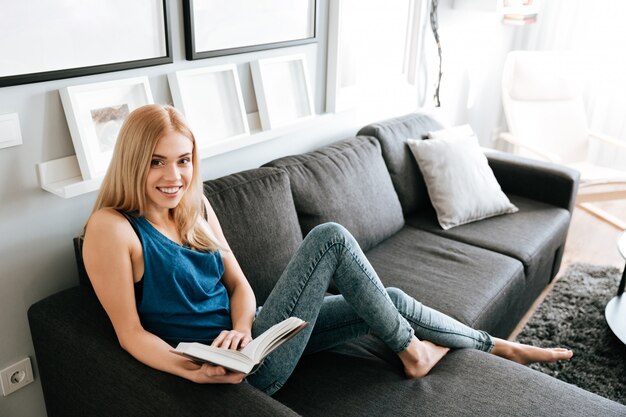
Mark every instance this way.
x=183 y=298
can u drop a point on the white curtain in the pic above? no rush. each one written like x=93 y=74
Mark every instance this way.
x=596 y=30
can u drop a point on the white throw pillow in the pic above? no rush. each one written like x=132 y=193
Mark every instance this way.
x=460 y=183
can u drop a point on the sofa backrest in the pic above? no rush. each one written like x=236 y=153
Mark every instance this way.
x=257 y=215
x=405 y=175
x=347 y=183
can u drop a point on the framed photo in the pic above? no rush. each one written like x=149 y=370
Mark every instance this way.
x=226 y=27
x=282 y=90
x=47 y=40
x=95 y=113
x=212 y=102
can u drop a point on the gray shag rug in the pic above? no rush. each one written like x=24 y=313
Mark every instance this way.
x=572 y=316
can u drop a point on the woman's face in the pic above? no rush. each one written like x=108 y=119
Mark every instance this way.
x=171 y=171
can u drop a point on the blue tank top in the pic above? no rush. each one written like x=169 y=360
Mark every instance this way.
x=183 y=298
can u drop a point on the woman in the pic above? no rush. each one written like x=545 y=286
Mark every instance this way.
x=162 y=268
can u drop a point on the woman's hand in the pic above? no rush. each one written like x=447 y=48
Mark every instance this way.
x=209 y=374
x=232 y=339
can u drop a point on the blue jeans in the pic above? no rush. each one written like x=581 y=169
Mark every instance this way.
x=329 y=252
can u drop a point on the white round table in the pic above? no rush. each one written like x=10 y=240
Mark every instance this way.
x=615 y=310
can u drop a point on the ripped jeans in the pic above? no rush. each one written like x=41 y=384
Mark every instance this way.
x=329 y=252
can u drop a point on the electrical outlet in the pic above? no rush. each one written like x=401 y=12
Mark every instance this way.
x=16 y=376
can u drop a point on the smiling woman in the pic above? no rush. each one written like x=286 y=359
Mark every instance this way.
x=153 y=249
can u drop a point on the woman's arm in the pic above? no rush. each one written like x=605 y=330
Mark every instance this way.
x=111 y=253
x=242 y=300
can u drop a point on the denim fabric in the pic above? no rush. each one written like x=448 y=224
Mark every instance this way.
x=364 y=307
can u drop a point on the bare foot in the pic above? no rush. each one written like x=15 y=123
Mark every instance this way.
x=526 y=354
x=420 y=357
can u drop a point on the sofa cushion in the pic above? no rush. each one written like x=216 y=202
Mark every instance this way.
x=346 y=183
x=405 y=175
x=476 y=286
x=364 y=378
x=85 y=372
x=256 y=211
x=461 y=186
x=533 y=235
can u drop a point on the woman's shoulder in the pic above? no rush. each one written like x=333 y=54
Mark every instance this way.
x=111 y=224
x=106 y=215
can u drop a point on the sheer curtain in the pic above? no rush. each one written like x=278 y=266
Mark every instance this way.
x=595 y=31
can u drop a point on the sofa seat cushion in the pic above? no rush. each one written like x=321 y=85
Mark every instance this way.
x=363 y=378
x=476 y=286
x=346 y=183
x=532 y=235
x=257 y=214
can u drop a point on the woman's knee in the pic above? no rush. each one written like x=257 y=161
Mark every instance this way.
x=330 y=231
x=396 y=294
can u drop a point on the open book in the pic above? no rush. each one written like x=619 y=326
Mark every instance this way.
x=247 y=359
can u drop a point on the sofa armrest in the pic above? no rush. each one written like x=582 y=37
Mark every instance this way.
x=85 y=372
x=542 y=181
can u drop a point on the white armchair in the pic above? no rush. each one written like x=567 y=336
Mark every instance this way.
x=545 y=113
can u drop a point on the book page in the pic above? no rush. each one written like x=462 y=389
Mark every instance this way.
x=231 y=359
x=272 y=338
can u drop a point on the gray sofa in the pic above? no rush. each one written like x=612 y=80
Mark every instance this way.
x=485 y=274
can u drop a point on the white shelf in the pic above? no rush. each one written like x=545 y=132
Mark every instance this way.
x=62 y=176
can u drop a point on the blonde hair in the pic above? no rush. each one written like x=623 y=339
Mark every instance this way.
x=124 y=185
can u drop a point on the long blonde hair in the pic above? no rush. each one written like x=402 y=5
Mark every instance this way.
x=124 y=185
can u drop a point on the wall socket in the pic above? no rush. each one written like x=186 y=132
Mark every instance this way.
x=16 y=376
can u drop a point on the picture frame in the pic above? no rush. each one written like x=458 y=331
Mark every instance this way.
x=283 y=90
x=212 y=102
x=105 y=36
x=226 y=27
x=95 y=113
